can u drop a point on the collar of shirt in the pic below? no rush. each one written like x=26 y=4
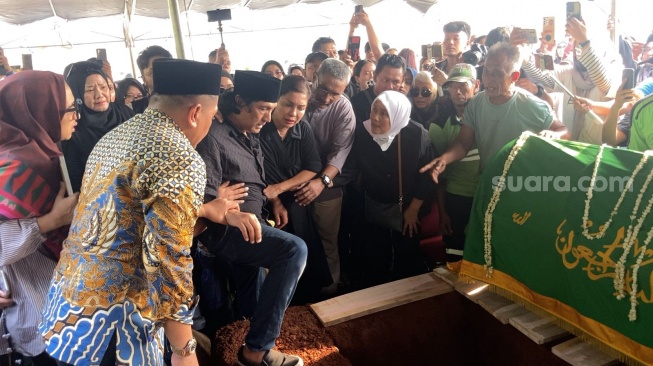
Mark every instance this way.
x=161 y=117
x=296 y=131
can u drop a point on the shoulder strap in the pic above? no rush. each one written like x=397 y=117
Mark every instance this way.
x=401 y=190
x=367 y=94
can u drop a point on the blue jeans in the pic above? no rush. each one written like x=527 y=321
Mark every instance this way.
x=284 y=255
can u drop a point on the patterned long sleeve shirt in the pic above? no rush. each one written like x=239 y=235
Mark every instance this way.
x=126 y=264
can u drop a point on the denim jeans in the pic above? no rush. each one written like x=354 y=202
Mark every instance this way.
x=284 y=255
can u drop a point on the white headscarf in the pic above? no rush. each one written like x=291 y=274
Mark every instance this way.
x=398 y=107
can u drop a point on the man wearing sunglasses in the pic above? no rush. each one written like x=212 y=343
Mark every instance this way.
x=456 y=193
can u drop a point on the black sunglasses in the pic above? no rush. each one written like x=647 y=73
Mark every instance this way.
x=415 y=92
x=225 y=90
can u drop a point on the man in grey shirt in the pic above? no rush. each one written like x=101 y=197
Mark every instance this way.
x=333 y=121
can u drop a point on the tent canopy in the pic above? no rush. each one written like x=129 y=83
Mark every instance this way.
x=29 y=11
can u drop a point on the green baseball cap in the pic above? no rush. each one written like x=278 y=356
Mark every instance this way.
x=461 y=73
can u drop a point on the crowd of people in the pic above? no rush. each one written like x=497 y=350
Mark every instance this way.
x=199 y=195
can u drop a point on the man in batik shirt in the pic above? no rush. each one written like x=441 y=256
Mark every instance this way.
x=125 y=270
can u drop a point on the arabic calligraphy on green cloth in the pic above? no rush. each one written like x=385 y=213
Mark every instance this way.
x=537 y=240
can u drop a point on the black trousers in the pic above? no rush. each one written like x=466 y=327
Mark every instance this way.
x=389 y=255
x=459 y=209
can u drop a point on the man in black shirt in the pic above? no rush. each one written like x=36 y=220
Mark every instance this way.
x=456 y=41
x=232 y=153
x=389 y=75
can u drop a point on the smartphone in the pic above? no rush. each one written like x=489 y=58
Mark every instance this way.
x=101 y=54
x=548 y=30
x=353 y=47
x=2 y=69
x=573 y=10
x=629 y=76
x=544 y=62
x=530 y=35
x=437 y=50
x=427 y=51
x=4 y=283
x=358 y=9
x=65 y=176
x=27 y=62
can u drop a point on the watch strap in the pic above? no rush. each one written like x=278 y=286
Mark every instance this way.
x=188 y=350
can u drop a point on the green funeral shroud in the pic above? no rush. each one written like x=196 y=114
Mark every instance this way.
x=539 y=252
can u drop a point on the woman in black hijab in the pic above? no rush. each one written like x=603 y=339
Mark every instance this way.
x=90 y=87
x=128 y=91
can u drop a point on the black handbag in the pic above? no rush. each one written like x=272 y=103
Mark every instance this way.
x=388 y=215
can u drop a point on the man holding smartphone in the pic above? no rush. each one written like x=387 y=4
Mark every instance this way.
x=456 y=41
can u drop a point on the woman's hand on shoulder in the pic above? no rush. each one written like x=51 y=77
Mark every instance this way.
x=62 y=211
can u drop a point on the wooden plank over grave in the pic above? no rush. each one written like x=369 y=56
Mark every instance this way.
x=579 y=353
x=374 y=299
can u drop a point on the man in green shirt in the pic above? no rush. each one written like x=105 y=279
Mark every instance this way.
x=456 y=191
x=641 y=134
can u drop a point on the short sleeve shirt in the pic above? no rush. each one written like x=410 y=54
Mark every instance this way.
x=496 y=125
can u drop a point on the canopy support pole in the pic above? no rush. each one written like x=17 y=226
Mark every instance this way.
x=173 y=9
x=130 y=6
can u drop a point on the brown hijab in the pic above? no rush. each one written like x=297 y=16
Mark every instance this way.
x=32 y=104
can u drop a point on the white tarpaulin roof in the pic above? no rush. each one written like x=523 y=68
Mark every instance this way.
x=283 y=33
x=27 y=11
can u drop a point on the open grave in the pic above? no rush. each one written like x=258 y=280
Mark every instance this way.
x=446 y=328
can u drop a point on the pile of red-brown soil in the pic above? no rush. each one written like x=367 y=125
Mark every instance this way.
x=446 y=330
x=301 y=335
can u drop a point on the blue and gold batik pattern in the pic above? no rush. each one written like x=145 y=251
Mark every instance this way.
x=126 y=264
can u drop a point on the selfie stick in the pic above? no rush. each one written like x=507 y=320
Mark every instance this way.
x=566 y=90
x=220 y=30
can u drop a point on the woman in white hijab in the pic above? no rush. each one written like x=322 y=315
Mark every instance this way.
x=387 y=146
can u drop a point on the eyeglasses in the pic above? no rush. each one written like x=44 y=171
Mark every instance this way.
x=275 y=72
x=415 y=92
x=322 y=90
x=134 y=96
x=75 y=110
x=225 y=90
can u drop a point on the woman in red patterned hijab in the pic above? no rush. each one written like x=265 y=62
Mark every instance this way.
x=37 y=110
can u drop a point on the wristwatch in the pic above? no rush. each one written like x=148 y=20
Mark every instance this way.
x=186 y=351
x=540 y=90
x=326 y=180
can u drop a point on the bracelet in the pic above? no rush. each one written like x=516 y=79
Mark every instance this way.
x=584 y=44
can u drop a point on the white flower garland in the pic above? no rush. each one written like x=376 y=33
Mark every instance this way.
x=631 y=233
x=631 y=236
x=604 y=228
x=487 y=237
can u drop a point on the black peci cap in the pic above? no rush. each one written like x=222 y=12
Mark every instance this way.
x=254 y=85
x=185 y=77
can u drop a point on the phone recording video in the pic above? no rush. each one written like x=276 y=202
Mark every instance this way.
x=353 y=48
x=629 y=76
x=573 y=10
